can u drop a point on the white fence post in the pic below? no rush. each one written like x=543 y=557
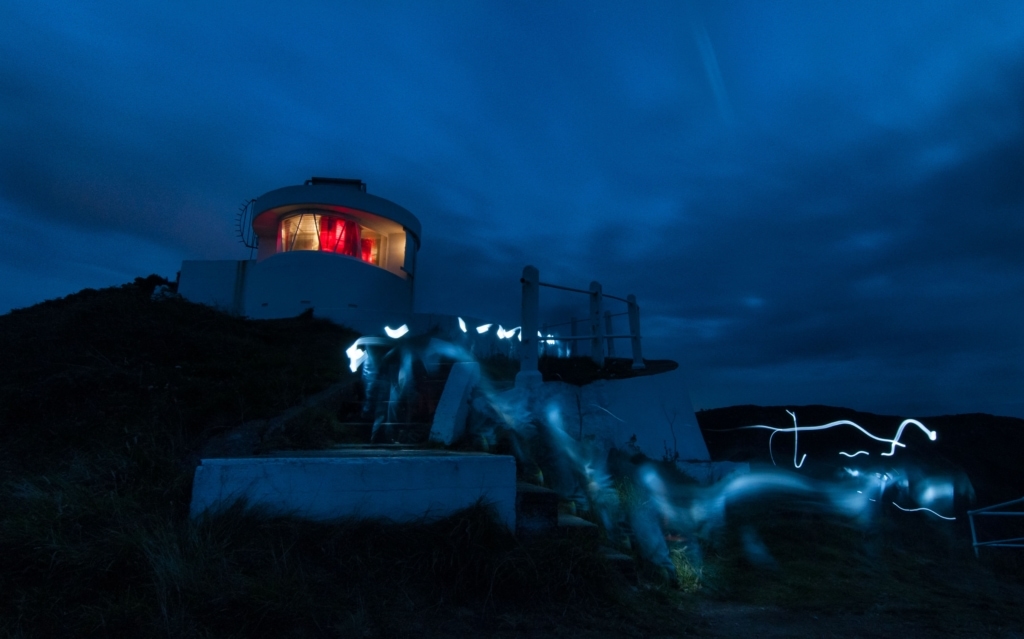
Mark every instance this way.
x=596 y=334
x=528 y=373
x=634 y=331
x=608 y=331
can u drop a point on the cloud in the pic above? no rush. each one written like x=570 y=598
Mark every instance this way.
x=852 y=226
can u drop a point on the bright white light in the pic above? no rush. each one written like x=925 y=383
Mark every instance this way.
x=507 y=334
x=395 y=333
x=356 y=356
x=551 y=341
x=914 y=510
x=795 y=433
x=483 y=329
x=859 y=452
x=462 y=324
x=893 y=443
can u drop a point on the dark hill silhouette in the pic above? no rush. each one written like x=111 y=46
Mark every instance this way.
x=988 y=448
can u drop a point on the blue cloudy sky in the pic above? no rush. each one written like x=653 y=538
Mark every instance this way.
x=815 y=202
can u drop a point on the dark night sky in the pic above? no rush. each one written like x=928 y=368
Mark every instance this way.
x=815 y=202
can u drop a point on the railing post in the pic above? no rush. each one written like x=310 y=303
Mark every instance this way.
x=974 y=535
x=608 y=331
x=596 y=334
x=634 y=331
x=528 y=374
x=573 y=349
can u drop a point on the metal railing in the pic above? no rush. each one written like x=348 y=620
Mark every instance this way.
x=1015 y=542
x=600 y=335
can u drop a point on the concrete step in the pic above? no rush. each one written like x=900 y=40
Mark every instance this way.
x=536 y=509
x=623 y=563
x=576 y=527
x=539 y=511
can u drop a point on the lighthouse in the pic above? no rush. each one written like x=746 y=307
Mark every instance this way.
x=326 y=246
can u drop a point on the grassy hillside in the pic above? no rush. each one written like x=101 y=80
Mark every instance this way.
x=107 y=397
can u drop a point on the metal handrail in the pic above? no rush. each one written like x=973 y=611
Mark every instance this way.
x=599 y=335
x=576 y=290
x=991 y=510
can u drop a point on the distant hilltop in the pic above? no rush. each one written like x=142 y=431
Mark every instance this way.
x=985 y=447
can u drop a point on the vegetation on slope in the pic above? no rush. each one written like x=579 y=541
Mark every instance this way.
x=106 y=397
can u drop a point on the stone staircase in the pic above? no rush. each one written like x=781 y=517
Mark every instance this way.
x=540 y=512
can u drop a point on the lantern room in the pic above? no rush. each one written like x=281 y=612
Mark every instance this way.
x=338 y=217
x=326 y=246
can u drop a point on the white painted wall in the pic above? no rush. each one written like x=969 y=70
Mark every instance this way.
x=647 y=404
x=402 y=485
x=343 y=289
x=612 y=411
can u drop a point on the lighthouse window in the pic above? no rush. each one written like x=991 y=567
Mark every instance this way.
x=338 y=235
x=331 y=234
x=370 y=246
x=299 y=233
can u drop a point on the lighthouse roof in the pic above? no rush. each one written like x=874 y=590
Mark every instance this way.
x=345 y=196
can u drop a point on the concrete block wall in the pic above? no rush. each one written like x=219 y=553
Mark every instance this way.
x=396 y=485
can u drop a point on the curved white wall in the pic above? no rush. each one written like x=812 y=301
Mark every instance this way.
x=344 y=289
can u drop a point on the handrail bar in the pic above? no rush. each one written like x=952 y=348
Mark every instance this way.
x=995 y=542
x=990 y=510
x=1005 y=503
x=599 y=334
x=576 y=290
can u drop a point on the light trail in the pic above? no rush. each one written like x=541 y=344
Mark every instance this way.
x=914 y=510
x=483 y=328
x=356 y=356
x=507 y=334
x=893 y=443
x=395 y=333
x=462 y=324
x=609 y=412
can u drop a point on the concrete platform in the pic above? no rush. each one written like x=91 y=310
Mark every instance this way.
x=401 y=485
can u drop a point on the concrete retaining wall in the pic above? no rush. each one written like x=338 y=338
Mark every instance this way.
x=397 y=485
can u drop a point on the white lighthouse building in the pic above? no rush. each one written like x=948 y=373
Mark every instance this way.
x=326 y=245
x=329 y=247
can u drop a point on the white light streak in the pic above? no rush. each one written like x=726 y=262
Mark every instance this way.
x=795 y=432
x=507 y=334
x=859 y=452
x=609 y=412
x=483 y=328
x=462 y=324
x=395 y=333
x=893 y=443
x=914 y=510
x=356 y=356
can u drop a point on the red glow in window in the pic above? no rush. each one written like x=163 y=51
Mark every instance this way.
x=339 y=236
x=369 y=252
